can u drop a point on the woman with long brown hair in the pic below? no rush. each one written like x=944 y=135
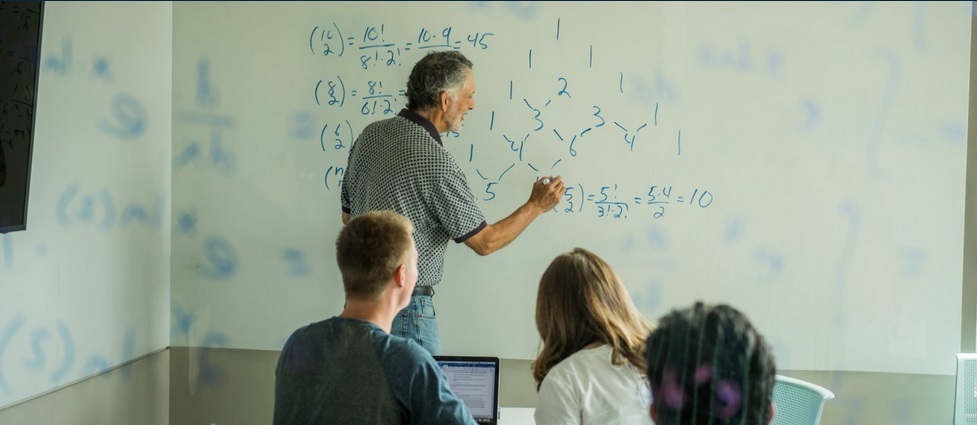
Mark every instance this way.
x=590 y=369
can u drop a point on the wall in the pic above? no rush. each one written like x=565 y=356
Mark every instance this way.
x=204 y=383
x=968 y=321
x=86 y=286
x=861 y=397
x=167 y=389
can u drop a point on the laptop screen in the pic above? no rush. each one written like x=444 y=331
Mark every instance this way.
x=474 y=380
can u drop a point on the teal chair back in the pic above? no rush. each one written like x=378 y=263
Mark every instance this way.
x=798 y=402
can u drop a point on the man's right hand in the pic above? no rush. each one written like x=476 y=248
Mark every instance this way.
x=545 y=197
x=547 y=193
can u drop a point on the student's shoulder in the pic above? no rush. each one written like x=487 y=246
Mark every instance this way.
x=583 y=362
x=405 y=353
x=403 y=350
x=317 y=329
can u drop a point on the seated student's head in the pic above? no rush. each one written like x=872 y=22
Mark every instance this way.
x=708 y=365
x=371 y=248
x=581 y=301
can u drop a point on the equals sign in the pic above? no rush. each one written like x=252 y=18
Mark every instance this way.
x=352 y=93
x=402 y=93
x=590 y=197
x=350 y=40
x=637 y=200
x=679 y=199
x=407 y=46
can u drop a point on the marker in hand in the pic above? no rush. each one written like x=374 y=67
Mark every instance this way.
x=547 y=180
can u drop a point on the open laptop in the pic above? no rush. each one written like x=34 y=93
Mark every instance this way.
x=475 y=380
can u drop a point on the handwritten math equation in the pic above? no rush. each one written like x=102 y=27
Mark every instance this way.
x=548 y=121
x=206 y=145
x=128 y=118
x=100 y=208
x=375 y=100
x=609 y=202
x=371 y=48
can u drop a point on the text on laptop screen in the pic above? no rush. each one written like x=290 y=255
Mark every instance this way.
x=474 y=383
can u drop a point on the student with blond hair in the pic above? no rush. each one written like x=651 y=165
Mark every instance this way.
x=348 y=369
x=590 y=369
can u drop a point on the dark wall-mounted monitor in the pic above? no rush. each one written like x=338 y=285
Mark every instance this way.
x=20 y=48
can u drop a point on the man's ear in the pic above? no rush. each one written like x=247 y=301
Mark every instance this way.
x=773 y=412
x=443 y=99
x=654 y=413
x=400 y=276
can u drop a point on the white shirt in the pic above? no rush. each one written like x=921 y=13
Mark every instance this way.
x=586 y=388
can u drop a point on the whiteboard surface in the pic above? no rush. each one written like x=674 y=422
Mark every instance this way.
x=804 y=162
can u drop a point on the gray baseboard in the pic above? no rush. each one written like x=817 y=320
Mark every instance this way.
x=135 y=393
x=194 y=386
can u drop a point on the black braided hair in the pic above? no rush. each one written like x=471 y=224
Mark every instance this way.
x=707 y=365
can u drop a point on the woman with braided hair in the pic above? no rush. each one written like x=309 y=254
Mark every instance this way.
x=707 y=365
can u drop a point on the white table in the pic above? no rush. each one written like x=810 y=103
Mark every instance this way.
x=517 y=416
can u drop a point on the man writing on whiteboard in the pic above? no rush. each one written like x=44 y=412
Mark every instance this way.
x=401 y=164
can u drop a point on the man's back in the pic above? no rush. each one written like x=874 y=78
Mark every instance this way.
x=398 y=164
x=347 y=371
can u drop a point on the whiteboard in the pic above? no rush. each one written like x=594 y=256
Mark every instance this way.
x=804 y=162
x=86 y=287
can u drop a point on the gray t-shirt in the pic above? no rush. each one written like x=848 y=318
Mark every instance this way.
x=351 y=372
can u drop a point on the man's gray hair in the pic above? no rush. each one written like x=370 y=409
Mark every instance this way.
x=436 y=72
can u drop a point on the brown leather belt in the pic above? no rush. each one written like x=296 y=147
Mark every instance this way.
x=426 y=290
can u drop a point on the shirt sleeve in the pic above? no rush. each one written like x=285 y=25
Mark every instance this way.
x=345 y=194
x=446 y=407
x=424 y=390
x=558 y=402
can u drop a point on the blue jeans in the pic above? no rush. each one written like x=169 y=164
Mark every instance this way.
x=418 y=322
